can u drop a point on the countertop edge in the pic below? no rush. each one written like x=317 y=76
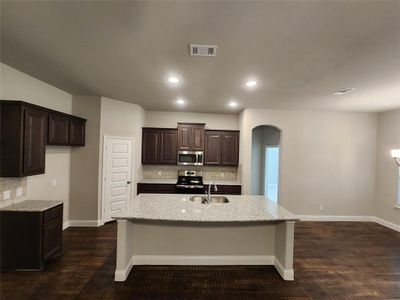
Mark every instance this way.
x=205 y=221
x=19 y=206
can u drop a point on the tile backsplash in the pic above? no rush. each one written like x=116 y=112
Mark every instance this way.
x=209 y=172
x=12 y=189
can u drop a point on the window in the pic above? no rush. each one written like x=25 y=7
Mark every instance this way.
x=271 y=172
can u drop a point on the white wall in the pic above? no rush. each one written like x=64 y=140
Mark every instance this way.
x=170 y=119
x=387 y=171
x=16 y=85
x=85 y=161
x=327 y=158
x=121 y=119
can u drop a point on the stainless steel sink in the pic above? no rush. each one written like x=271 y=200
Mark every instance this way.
x=199 y=199
x=219 y=199
x=213 y=199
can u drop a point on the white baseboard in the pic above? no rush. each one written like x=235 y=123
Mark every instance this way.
x=65 y=225
x=350 y=218
x=335 y=218
x=212 y=260
x=122 y=275
x=84 y=223
x=387 y=224
x=287 y=274
x=195 y=260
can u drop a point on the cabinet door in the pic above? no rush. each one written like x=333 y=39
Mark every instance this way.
x=52 y=238
x=232 y=189
x=197 y=138
x=230 y=148
x=166 y=189
x=168 y=146
x=77 y=132
x=34 y=141
x=212 y=152
x=150 y=146
x=184 y=137
x=58 y=130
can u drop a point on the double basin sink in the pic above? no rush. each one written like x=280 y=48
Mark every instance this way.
x=213 y=199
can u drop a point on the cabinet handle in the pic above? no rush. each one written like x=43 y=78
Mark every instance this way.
x=128 y=182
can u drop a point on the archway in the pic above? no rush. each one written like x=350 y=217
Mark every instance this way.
x=265 y=156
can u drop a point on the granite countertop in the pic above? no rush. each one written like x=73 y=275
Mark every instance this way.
x=173 y=181
x=31 y=205
x=176 y=207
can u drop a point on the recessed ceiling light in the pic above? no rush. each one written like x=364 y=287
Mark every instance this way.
x=233 y=104
x=251 y=83
x=173 y=79
x=343 y=91
x=180 y=101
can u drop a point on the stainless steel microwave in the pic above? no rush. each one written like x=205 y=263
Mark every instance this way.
x=190 y=158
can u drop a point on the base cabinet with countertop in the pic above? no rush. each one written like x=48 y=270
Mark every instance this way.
x=31 y=234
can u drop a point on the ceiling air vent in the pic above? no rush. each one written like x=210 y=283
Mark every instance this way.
x=202 y=50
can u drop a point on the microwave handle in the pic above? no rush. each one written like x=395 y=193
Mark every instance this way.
x=199 y=158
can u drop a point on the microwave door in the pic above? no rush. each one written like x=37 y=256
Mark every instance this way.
x=187 y=159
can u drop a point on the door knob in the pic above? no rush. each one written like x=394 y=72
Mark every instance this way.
x=128 y=182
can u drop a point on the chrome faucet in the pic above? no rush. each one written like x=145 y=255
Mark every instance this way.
x=209 y=190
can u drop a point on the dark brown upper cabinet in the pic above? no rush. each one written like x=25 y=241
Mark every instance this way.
x=212 y=153
x=230 y=148
x=58 y=129
x=65 y=130
x=159 y=146
x=191 y=136
x=25 y=130
x=221 y=148
x=150 y=146
x=77 y=131
x=34 y=141
x=168 y=146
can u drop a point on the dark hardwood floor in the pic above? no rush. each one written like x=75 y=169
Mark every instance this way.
x=333 y=260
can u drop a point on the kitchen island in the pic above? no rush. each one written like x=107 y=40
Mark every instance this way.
x=171 y=229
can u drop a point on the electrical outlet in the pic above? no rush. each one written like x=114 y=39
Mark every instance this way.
x=222 y=174
x=159 y=173
x=6 y=195
x=321 y=207
x=19 y=192
x=54 y=182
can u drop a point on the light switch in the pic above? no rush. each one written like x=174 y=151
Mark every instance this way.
x=6 y=195
x=54 y=182
x=19 y=192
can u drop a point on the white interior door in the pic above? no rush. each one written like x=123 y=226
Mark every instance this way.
x=117 y=175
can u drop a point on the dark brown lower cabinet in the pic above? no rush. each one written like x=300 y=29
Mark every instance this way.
x=151 y=188
x=227 y=190
x=30 y=238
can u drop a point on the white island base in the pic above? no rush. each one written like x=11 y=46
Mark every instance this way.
x=157 y=242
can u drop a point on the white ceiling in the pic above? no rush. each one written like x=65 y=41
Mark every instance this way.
x=300 y=52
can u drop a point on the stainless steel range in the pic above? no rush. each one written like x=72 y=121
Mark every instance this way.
x=190 y=182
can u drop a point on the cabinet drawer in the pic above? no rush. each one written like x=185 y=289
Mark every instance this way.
x=53 y=213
